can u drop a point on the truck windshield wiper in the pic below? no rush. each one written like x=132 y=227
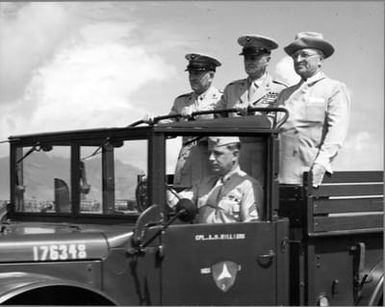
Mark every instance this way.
x=97 y=151
x=36 y=147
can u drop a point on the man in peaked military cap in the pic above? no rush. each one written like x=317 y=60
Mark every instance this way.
x=201 y=69
x=229 y=195
x=259 y=89
x=319 y=110
x=192 y=162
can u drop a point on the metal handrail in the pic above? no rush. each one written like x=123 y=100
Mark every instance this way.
x=277 y=124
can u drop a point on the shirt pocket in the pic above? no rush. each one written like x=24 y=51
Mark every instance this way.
x=315 y=109
x=230 y=204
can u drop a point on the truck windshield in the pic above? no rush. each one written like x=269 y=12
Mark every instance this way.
x=105 y=176
x=39 y=174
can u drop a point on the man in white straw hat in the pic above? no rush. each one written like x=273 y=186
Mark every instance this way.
x=319 y=110
x=259 y=89
x=230 y=195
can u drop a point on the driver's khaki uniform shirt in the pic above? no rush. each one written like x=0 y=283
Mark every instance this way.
x=236 y=197
x=192 y=164
x=319 y=111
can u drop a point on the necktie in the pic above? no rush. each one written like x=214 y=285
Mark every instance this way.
x=220 y=188
x=207 y=212
x=252 y=91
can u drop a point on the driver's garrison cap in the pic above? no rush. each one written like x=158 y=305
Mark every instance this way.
x=223 y=140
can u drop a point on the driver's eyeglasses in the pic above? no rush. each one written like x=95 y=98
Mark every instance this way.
x=303 y=54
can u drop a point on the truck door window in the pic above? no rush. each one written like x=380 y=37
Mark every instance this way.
x=130 y=161
x=173 y=147
x=217 y=175
x=44 y=184
x=109 y=176
x=91 y=190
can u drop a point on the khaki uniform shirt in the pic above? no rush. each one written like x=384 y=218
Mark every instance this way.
x=237 y=93
x=193 y=160
x=319 y=111
x=236 y=197
x=203 y=102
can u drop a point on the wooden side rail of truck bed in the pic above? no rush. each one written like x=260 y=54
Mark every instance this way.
x=346 y=202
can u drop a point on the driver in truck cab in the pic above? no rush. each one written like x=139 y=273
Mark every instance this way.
x=228 y=196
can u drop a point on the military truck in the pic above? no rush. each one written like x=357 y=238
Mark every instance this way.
x=88 y=223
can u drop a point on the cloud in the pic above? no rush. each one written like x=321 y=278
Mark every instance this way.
x=29 y=35
x=79 y=79
x=90 y=84
x=285 y=72
x=354 y=153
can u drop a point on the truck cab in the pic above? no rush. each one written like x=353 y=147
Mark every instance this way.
x=89 y=223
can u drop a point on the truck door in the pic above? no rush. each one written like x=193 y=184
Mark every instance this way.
x=225 y=264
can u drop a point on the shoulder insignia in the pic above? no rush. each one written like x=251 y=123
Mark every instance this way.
x=183 y=95
x=217 y=94
x=280 y=82
x=236 y=81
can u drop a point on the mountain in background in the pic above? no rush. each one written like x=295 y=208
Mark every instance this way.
x=41 y=169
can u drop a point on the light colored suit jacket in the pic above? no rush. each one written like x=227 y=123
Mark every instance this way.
x=319 y=111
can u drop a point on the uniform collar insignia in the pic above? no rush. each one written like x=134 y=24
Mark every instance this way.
x=262 y=80
x=229 y=174
x=204 y=94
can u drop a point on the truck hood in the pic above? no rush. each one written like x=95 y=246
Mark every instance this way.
x=26 y=242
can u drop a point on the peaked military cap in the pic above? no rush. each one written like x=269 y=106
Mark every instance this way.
x=256 y=44
x=201 y=62
x=223 y=140
x=312 y=40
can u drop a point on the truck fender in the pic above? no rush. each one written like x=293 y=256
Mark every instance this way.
x=372 y=292
x=23 y=288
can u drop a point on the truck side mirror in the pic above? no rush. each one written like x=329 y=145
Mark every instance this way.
x=186 y=210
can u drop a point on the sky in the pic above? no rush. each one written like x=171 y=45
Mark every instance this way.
x=74 y=65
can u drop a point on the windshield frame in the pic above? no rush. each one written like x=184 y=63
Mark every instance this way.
x=107 y=139
x=156 y=136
